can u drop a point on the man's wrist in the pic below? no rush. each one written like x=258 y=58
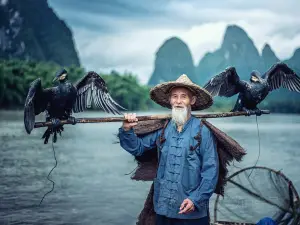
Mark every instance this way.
x=194 y=203
x=126 y=130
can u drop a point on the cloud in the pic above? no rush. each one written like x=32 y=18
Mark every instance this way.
x=134 y=50
x=203 y=38
x=131 y=50
x=264 y=21
x=125 y=35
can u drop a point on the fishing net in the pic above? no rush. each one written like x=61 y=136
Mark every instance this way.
x=257 y=192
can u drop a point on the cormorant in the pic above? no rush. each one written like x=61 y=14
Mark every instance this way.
x=228 y=83
x=59 y=101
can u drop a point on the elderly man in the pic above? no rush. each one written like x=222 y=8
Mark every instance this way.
x=188 y=161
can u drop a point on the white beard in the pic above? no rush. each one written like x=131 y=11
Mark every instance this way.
x=179 y=115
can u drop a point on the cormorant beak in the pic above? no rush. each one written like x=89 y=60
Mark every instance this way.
x=254 y=78
x=55 y=79
x=61 y=77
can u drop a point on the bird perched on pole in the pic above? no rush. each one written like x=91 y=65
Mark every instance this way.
x=228 y=84
x=59 y=101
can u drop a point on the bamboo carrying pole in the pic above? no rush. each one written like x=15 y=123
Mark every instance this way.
x=144 y=118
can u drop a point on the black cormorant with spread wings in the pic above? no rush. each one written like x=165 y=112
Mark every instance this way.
x=228 y=83
x=59 y=101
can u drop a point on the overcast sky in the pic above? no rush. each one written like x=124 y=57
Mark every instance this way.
x=125 y=34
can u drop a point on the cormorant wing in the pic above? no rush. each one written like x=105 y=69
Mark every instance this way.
x=36 y=102
x=92 y=88
x=224 y=84
x=281 y=75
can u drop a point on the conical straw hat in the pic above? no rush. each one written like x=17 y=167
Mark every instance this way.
x=160 y=93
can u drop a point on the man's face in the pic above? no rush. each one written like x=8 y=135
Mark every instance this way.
x=181 y=100
x=181 y=97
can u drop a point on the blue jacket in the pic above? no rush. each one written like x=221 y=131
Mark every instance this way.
x=182 y=173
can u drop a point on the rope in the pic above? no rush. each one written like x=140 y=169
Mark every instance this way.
x=53 y=183
x=258 y=146
x=258 y=135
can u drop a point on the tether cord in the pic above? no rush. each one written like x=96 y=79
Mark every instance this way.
x=258 y=135
x=131 y=171
x=50 y=173
x=258 y=146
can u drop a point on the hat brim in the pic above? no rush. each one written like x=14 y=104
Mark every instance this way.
x=160 y=95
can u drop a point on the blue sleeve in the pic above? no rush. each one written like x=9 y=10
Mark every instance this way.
x=135 y=145
x=209 y=172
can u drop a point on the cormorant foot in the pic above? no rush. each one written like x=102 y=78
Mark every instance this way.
x=72 y=119
x=258 y=112
x=247 y=111
x=55 y=122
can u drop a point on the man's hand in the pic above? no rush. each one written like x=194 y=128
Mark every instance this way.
x=186 y=206
x=130 y=121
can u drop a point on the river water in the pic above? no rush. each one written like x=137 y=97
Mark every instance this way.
x=90 y=182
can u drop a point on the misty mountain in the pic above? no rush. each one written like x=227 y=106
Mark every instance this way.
x=237 y=49
x=268 y=56
x=29 y=29
x=172 y=59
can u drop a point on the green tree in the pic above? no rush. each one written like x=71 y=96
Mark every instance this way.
x=126 y=90
x=16 y=76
